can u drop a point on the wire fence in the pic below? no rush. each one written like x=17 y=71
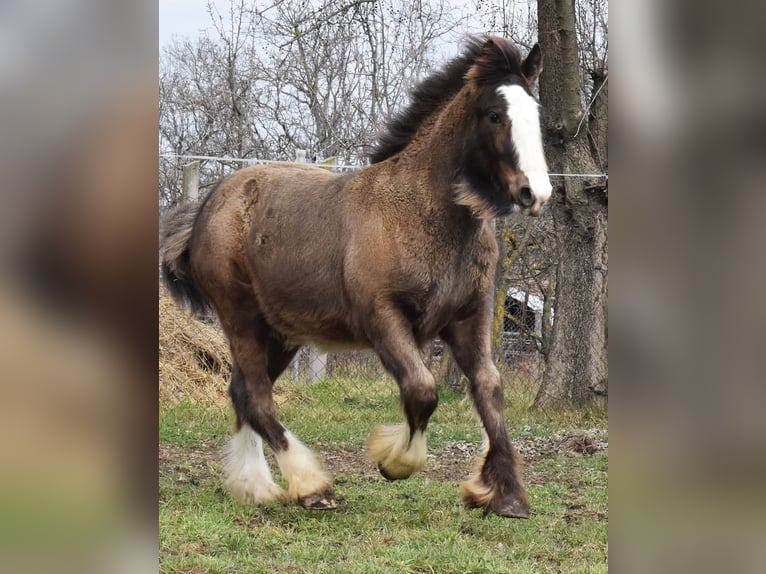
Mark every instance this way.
x=520 y=358
x=527 y=298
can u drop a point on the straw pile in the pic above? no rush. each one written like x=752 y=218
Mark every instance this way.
x=195 y=363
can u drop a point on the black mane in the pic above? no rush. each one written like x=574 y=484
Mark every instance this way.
x=430 y=94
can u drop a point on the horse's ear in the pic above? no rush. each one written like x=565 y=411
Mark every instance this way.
x=489 y=65
x=532 y=66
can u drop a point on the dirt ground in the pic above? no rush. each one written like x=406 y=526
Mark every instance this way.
x=452 y=463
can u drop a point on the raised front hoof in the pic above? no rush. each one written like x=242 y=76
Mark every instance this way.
x=319 y=501
x=396 y=456
x=391 y=476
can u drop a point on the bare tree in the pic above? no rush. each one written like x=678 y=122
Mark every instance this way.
x=208 y=105
x=300 y=74
x=345 y=68
x=509 y=18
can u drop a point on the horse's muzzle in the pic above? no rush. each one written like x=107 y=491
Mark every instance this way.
x=526 y=197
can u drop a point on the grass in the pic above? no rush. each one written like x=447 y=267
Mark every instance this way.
x=417 y=525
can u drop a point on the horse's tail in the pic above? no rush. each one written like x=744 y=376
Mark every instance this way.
x=175 y=232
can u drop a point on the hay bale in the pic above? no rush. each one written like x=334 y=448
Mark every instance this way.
x=195 y=363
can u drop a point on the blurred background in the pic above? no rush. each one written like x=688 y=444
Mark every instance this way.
x=78 y=265
x=687 y=311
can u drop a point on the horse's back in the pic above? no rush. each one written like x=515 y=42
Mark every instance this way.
x=262 y=203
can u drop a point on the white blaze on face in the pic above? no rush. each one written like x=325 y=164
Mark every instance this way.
x=524 y=114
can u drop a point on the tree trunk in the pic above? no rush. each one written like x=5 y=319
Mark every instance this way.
x=577 y=360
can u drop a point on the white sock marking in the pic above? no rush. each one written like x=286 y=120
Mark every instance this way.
x=523 y=111
x=248 y=477
x=301 y=469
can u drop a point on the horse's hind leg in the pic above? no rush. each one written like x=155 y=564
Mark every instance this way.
x=248 y=477
x=496 y=485
x=260 y=361
x=400 y=450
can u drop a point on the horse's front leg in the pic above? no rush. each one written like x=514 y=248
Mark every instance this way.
x=496 y=484
x=400 y=450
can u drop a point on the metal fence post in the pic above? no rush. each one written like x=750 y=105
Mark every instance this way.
x=296 y=366
x=317 y=364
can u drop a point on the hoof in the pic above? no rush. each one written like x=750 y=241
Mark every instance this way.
x=319 y=501
x=388 y=476
x=396 y=456
x=512 y=507
x=247 y=491
x=477 y=494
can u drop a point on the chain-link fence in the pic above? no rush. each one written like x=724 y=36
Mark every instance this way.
x=520 y=355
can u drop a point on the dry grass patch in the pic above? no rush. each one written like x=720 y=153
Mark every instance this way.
x=195 y=364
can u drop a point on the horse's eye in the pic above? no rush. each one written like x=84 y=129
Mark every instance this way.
x=494 y=117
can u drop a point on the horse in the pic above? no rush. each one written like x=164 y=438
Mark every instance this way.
x=388 y=257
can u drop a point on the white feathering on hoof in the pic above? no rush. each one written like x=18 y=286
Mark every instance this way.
x=301 y=469
x=248 y=477
x=475 y=493
x=390 y=447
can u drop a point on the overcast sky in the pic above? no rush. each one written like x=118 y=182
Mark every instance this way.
x=184 y=18
x=187 y=18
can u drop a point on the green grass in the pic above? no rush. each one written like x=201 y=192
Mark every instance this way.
x=417 y=525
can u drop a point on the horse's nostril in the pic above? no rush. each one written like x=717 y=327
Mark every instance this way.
x=525 y=196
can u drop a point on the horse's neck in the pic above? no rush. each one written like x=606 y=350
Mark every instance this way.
x=438 y=147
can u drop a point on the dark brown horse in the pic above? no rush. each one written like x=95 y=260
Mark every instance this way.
x=388 y=257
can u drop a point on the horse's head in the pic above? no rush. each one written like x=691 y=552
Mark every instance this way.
x=503 y=165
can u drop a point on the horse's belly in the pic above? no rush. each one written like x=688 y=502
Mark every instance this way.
x=306 y=312
x=329 y=336
x=328 y=345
